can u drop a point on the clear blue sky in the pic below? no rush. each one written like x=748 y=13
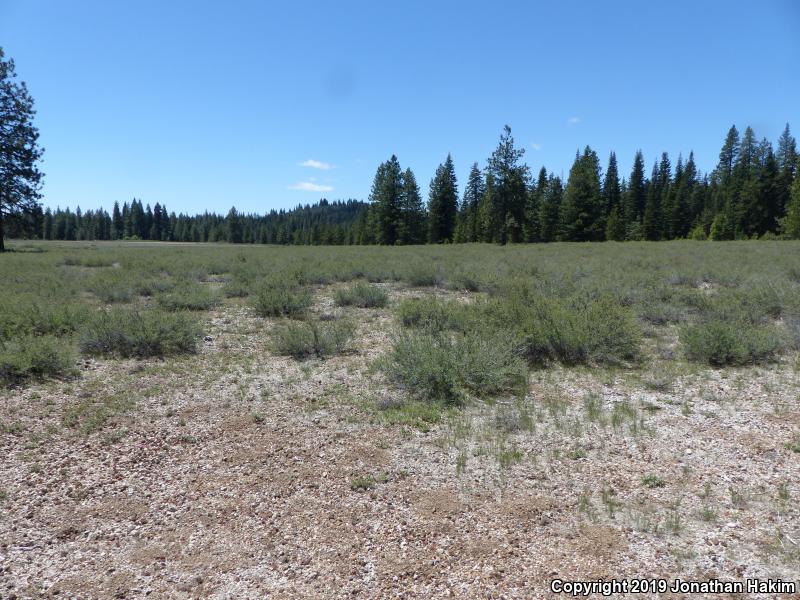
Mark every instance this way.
x=204 y=105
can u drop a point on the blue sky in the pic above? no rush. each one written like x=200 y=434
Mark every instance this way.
x=205 y=105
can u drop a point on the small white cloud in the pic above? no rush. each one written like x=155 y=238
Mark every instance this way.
x=308 y=186
x=315 y=164
x=573 y=120
x=536 y=147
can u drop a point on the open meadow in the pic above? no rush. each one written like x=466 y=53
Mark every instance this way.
x=201 y=420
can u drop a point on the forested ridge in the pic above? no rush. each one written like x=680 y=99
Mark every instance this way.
x=753 y=192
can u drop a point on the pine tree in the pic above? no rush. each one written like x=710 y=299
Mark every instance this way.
x=728 y=154
x=658 y=191
x=680 y=217
x=127 y=226
x=612 y=200
x=725 y=196
x=386 y=198
x=147 y=226
x=166 y=223
x=787 y=158
x=635 y=198
x=137 y=219
x=651 y=222
x=787 y=151
x=488 y=215
x=157 y=226
x=615 y=226
x=473 y=194
x=233 y=227
x=670 y=203
x=743 y=188
x=533 y=210
x=664 y=177
x=20 y=178
x=747 y=158
x=509 y=196
x=581 y=217
x=766 y=207
x=443 y=203
x=412 y=213
x=117 y=223
x=460 y=233
x=551 y=208
x=612 y=195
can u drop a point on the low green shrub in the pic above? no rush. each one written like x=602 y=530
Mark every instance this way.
x=424 y=276
x=362 y=295
x=40 y=317
x=35 y=357
x=236 y=289
x=465 y=281
x=127 y=333
x=312 y=338
x=661 y=313
x=737 y=342
x=444 y=367
x=112 y=287
x=151 y=287
x=758 y=303
x=434 y=315
x=188 y=295
x=282 y=298
x=576 y=330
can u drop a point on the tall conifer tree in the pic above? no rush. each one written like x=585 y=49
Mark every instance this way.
x=20 y=177
x=412 y=212
x=635 y=198
x=443 y=203
x=582 y=217
x=386 y=198
x=509 y=196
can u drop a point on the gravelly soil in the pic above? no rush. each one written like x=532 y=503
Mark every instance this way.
x=231 y=476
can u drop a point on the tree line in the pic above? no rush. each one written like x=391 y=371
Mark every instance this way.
x=321 y=223
x=754 y=192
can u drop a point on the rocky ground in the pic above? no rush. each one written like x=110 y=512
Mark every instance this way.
x=239 y=474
